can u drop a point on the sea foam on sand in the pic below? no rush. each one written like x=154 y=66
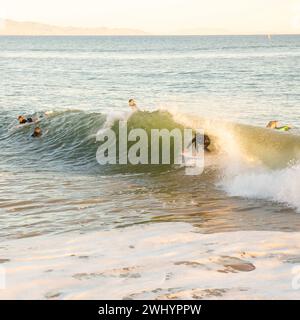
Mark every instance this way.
x=162 y=260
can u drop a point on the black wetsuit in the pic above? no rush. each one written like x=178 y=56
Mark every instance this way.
x=28 y=120
x=206 y=142
x=36 y=135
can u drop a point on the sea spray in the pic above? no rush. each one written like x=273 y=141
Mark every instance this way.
x=280 y=186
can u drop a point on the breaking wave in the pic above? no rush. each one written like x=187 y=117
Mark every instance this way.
x=249 y=161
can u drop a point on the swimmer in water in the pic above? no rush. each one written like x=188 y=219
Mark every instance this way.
x=37 y=132
x=132 y=105
x=274 y=125
x=23 y=120
x=36 y=117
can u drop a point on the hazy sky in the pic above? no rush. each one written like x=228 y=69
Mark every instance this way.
x=162 y=16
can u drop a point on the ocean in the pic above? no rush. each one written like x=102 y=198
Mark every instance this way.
x=74 y=229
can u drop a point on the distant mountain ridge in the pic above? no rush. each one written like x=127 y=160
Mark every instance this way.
x=11 y=27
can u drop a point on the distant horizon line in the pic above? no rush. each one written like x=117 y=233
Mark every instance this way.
x=152 y=35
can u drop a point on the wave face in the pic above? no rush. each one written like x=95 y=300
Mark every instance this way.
x=68 y=141
x=254 y=162
x=148 y=121
x=247 y=143
x=248 y=161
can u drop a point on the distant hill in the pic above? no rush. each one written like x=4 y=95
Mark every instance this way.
x=10 y=27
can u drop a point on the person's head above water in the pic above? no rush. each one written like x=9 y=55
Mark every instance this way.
x=272 y=124
x=37 y=132
x=21 y=119
x=132 y=104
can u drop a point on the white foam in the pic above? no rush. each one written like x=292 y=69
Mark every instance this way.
x=167 y=260
x=261 y=183
x=111 y=118
x=245 y=176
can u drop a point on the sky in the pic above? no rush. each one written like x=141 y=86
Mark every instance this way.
x=162 y=16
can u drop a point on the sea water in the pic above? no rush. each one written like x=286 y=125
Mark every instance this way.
x=71 y=228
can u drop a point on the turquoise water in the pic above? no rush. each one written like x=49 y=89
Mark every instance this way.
x=54 y=187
